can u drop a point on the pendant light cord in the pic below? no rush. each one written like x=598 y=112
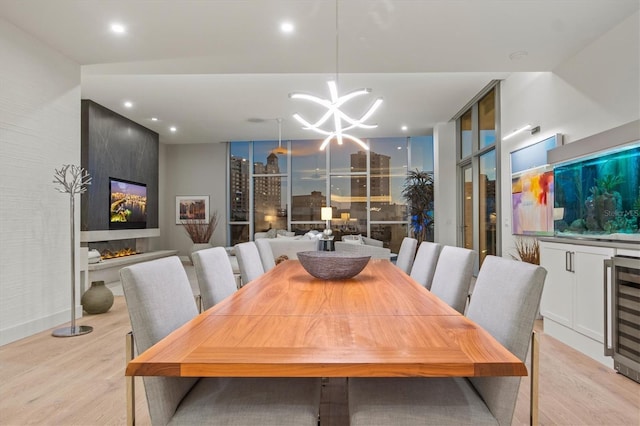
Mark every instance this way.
x=279 y=132
x=337 y=43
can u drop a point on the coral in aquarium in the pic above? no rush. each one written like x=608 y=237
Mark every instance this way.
x=608 y=183
x=603 y=203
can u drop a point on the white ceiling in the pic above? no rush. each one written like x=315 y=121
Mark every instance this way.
x=217 y=68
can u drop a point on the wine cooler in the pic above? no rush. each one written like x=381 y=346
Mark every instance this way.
x=622 y=324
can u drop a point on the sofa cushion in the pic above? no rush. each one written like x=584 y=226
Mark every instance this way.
x=286 y=237
x=290 y=247
x=271 y=233
x=353 y=239
x=372 y=242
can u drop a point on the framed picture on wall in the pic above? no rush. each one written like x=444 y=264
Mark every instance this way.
x=192 y=207
x=532 y=188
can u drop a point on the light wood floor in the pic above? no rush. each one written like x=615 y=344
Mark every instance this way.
x=80 y=381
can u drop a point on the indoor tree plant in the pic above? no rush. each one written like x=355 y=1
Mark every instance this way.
x=528 y=250
x=200 y=231
x=418 y=191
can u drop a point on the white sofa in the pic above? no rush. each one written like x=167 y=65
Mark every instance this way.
x=288 y=244
x=364 y=246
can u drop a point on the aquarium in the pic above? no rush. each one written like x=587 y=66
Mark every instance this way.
x=598 y=196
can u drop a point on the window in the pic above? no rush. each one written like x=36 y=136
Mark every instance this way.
x=308 y=183
x=478 y=170
x=364 y=188
x=239 y=197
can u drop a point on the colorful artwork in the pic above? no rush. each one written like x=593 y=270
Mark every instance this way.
x=532 y=201
x=532 y=197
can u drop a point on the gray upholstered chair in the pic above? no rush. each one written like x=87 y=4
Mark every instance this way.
x=452 y=277
x=505 y=303
x=424 y=264
x=406 y=254
x=249 y=261
x=214 y=275
x=160 y=300
x=266 y=254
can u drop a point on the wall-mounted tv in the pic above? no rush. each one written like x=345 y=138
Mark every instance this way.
x=127 y=204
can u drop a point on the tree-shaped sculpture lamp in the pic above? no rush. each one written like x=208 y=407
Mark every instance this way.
x=72 y=180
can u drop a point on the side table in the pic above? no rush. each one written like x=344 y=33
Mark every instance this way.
x=327 y=245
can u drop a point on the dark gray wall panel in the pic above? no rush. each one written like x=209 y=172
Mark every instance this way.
x=114 y=146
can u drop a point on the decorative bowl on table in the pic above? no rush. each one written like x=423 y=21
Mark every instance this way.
x=332 y=265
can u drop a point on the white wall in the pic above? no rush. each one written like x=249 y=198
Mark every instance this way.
x=39 y=132
x=596 y=90
x=193 y=169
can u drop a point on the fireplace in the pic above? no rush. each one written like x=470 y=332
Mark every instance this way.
x=115 y=248
x=132 y=240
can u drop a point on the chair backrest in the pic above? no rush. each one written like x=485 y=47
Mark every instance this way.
x=266 y=254
x=406 y=254
x=452 y=276
x=505 y=303
x=424 y=264
x=160 y=300
x=248 y=261
x=215 y=275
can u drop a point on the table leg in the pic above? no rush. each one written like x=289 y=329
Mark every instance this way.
x=535 y=364
x=131 y=391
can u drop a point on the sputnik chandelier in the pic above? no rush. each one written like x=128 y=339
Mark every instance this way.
x=341 y=121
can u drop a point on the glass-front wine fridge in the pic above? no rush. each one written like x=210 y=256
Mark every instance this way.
x=622 y=323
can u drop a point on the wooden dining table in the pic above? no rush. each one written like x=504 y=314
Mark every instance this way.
x=381 y=323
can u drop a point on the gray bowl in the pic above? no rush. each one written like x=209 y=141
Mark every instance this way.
x=331 y=265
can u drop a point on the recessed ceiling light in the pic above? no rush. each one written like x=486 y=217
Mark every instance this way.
x=173 y=128
x=118 y=28
x=404 y=128
x=154 y=119
x=286 y=27
x=128 y=104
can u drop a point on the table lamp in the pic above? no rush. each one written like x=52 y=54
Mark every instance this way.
x=325 y=214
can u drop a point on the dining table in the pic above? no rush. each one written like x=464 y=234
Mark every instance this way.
x=286 y=323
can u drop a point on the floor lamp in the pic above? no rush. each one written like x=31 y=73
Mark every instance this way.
x=72 y=180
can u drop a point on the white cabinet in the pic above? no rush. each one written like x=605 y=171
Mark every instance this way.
x=559 y=287
x=573 y=299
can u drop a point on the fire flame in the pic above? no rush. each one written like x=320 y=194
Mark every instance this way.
x=108 y=254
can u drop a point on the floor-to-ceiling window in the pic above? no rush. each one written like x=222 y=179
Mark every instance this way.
x=270 y=178
x=240 y=187
x=287 y=186
x=478 y=169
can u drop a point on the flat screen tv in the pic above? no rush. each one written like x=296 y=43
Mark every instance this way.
x=127 y=204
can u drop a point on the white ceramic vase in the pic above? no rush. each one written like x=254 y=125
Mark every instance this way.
x=198 y=246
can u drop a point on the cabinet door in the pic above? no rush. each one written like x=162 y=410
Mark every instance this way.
x=558 y=294
x=589 y=291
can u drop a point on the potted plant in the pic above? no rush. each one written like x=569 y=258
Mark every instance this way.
x=528 y=250
x=200 y=231
x=418 y=191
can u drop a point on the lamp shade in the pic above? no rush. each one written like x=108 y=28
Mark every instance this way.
x=326 y=213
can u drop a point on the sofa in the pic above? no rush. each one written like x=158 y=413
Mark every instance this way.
x=357 y=244
x=288 y=244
